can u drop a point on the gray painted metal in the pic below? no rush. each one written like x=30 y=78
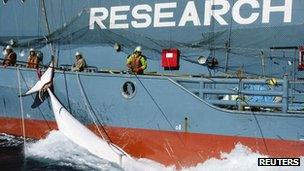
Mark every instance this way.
x=177 y=102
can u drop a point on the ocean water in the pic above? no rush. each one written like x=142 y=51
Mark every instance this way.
x=56 y=152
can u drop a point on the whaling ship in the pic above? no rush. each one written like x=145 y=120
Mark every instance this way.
x=220 y=72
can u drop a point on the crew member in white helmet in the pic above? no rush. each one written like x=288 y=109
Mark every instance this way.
x=32 y=60
x=80 y=63
x=137 y=62
x=10 y=57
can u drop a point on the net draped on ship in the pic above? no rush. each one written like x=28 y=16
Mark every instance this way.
x=258 y=48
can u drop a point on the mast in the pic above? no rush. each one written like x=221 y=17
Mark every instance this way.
x=228 y=44
x=43 y=9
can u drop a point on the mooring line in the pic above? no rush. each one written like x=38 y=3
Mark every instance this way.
x=27 y=86
x=159 y=108
x=254 y=116
x=91 y=112
x=21 y=106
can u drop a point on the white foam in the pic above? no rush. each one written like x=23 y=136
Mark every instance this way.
x=240 y=158
x=57 y=148
x=9 y=140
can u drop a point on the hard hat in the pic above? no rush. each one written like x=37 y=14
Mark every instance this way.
x=137 y=49
x=32 y=50
x=272 y=82
x=77 y=54
x=8 y=47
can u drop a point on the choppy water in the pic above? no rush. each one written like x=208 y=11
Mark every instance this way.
x=56 y=152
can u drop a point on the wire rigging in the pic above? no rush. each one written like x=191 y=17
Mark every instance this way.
x=241 y=99
x=158 y=107
x=21 y=106
x=42 y=114
x=92 y=113
x=44 y=12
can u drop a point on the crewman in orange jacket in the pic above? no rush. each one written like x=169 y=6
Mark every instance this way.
x=32 y=60
x=10 y=57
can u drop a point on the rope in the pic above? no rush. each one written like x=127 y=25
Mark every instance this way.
x=162 y=112
x=158 y=107
x=43 y=8
x=228 y=43
x=254 y=116
x=21 y=106
x=91 y=112
x=66 y=89
x=34 y=99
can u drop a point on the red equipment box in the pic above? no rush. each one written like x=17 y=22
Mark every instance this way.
x=170 y=59
x=301 y=58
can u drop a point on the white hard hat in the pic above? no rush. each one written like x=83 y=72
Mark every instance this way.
x=8 y=47
x=32 y=50
x=137 y=49
x=77 y=53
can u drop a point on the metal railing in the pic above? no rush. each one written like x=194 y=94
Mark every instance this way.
x=68 y=67
x=63 y=67
x=213 y=91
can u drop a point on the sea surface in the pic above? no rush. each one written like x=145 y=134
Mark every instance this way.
x=56 y=152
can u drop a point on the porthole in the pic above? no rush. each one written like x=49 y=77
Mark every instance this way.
x=128 y=90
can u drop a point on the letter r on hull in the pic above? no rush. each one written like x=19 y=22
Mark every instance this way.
x=94 y=18
x=216 y=13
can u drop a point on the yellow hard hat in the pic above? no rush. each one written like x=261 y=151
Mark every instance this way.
x=272 y=81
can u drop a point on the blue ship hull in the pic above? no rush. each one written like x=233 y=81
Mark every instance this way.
x=180 y=120
x=163 y=121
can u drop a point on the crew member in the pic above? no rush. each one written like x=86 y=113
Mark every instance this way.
x=32 y=60
x=80 y=63
x=10 y=57
x=40 y=57
x=137 y=62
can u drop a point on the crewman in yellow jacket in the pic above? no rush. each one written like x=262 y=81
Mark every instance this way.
x=137 y=62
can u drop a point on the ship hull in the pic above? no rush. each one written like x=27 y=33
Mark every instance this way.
x=163 y=121
x=168 y=148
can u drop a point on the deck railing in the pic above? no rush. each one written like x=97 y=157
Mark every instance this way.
x=216 y=90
